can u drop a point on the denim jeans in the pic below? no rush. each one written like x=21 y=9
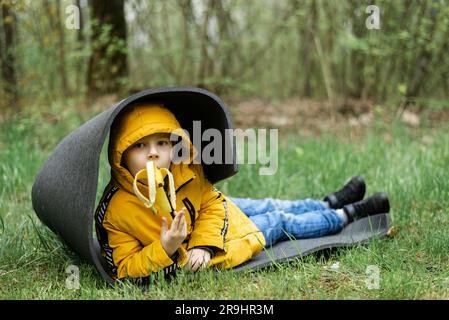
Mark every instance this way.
x=281 y=220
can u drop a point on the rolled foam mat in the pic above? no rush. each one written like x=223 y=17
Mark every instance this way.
x=358 y=232
x=64 y=191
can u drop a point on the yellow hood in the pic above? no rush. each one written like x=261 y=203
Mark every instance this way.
x=135 y=123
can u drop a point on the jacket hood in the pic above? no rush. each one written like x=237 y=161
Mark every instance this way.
x=137 y=122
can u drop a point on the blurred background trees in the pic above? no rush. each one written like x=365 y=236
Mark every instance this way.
x=271 y=49
x=108 y=64
x=7 y=57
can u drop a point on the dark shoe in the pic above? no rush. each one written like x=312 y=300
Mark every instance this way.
x=352 y=192
x=377 y=203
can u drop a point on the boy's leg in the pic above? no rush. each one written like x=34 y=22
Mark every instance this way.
x=275 y=225
x=253 y=207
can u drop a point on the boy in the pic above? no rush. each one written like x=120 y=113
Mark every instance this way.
x=210 y=229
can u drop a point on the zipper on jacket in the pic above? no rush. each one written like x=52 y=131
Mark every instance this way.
x=224 y=231
x=191 y=210
x=168 y=197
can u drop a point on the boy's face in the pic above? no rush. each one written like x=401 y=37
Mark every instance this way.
x=156 y=147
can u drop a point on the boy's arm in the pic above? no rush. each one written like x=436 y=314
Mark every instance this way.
x=212 y=223
x=131 y=258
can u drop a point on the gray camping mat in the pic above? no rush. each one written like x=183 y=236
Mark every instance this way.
x=360 y=231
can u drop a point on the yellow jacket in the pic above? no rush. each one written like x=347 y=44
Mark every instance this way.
x=129 y=233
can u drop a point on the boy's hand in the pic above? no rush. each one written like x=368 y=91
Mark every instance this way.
x=172 y=238
x=197 y=258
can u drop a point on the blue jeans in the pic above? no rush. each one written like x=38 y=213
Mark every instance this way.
x=281 y=220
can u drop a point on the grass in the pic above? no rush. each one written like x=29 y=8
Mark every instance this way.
x=411 y=166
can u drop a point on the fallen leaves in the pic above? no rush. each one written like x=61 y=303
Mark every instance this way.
x=392 y=232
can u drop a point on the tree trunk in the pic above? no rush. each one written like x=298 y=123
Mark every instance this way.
x=357 y=58
x=7 y=54
x=187 y=20
x=424 y=59
x=206 y=66
x=323 y=56
x=394 y=68
x=80 y=34
x=225 y=46
x=80 y=72
x=108 y=62
x=305 y=39
x=61 y=49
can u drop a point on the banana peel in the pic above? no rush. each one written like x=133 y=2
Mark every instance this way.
x=157 y=200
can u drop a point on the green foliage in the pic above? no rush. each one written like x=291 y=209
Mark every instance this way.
x=319 y=49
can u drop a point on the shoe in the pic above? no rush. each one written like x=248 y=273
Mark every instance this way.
x=376 y=204
x=353 y=191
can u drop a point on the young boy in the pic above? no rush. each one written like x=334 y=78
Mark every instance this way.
x=211 y=229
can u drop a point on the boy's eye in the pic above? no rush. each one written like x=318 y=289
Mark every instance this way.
x=163 y=142
x=139 y=145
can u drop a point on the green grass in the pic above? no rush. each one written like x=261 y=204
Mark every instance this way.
x=412 y=168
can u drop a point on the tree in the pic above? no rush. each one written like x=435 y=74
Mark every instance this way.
x=108 y=64
x=57 y=28
x=7 y=54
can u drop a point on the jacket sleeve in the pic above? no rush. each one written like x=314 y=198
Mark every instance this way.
x=212 y=223
x=131 y=258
